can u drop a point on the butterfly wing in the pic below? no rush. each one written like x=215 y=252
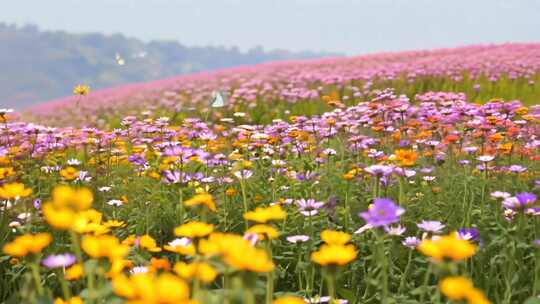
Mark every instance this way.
x=218 y=100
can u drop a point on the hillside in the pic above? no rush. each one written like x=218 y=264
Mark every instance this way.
x=39 y=65
x=481 y=72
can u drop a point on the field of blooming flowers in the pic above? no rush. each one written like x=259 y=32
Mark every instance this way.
x=392 y=178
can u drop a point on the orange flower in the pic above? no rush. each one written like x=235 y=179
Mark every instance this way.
x=406 y=157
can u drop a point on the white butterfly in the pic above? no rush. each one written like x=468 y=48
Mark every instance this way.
x=119 y=59
x=218 y=99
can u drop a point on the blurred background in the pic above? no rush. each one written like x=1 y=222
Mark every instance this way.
x=47 y=47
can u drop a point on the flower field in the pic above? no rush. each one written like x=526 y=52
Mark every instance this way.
x=403 y=178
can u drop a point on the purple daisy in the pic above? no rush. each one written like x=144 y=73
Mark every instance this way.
x=59 y=260
x=382 y=212
x=431 y=226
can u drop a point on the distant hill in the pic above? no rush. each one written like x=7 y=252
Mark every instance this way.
x=40 y=65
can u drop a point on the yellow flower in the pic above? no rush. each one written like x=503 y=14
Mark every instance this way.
x=117 y=266
x=114 y=224
x=6 y=172
x=202 y=199
x=234 y=250
x=258 y=259
x=14 y=191
x=89 y=221
x=104 y=246
x=74 y=300
x=406 y=157
x=230 y=191
x=455 y=288
x=447 y=247
x=74 y=272
x=146 y=242
x=185 y=250
x=81 y=90
x=332 y=237
x=60 y=218
x=460 y=288
x=289 y=300
x=263 y=215
x=264 y=232
x=194 y=230
x=334 y=255
x=202 y=271
x=151 y=289
x=69 y=173
x=522 y=110
x=66 y=196
x=27 y=244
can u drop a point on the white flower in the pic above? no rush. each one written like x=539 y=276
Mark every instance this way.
x=73 y=162
x=104 y=189
x=500 y=194
x=115 y=202
x=485 y=158
x=139 y=269
x=363 y=229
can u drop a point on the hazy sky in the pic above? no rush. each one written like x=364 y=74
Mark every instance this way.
x=347 y=26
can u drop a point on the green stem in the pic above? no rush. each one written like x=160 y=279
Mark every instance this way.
x=425 y=284
x=35 y=274
x=244 y=200
x=269 y=277
x=331 y=282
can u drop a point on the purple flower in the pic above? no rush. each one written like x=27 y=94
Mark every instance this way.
x=411 y=242
x=526 y=199
x=309 y=207
x=382 y=212
x=379 y=170
x=520 y=201
x=37 y=204
x=431 y=226
x=252 y=238
x=517 y=169
x=469 y=234
x=59 y=260
x=537 y=242
x=171 y=177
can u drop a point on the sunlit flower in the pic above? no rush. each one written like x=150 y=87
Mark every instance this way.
x=202 y=271
x=447 y=247
x=204 y=199
x=264 y=215
x=332 y=237
x=14 y=191
x=264 y=232
x=460 y=288
x=194 y=230
x=150 y=288
x=27 y=244
x=334 y=255
x=81 y=90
